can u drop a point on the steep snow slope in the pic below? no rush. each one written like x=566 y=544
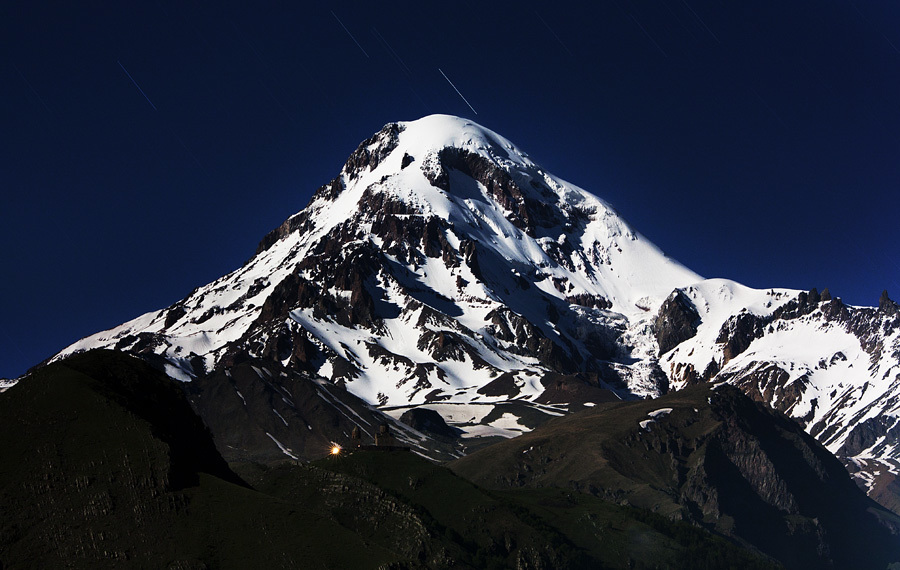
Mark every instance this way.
x=512 y=256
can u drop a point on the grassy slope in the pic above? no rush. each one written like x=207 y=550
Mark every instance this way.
x=586 y=449
x=88 y=480
x=717 y=459
x=494 y=529
x=104 y=464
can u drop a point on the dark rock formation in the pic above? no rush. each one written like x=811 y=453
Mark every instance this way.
x=886 y=305
x=384 y=142
x=443 y=345
x=804 y=304
x=300 y=222
x=523 y=210
x=576 y=389
x=174 y=314
x=767 y=383
x=592 y=301
x=867 y=433
x=469 y=251
x=676 y=321
x=503 y=385
x=738 y=332
x=428 y=421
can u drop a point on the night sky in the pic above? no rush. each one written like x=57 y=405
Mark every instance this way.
x=148 y=146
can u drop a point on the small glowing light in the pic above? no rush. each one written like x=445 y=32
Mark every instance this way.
x=336 y=450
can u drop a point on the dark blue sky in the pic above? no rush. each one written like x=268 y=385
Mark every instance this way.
x=148 y=146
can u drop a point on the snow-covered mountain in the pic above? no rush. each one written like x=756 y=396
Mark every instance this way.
x=442 y=264
x=442 y=268
x=833 y=368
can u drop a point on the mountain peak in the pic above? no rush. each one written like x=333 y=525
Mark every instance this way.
x=432 y=145
x=435 y=132
x=479 y=187
x=441 y=259
x=426 y=137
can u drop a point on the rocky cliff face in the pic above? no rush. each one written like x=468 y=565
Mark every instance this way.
x=711 y=456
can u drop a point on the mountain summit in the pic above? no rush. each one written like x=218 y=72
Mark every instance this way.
x=440 y=261
x=443 y=268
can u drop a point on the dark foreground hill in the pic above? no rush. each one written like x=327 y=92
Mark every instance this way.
x=710 y=456
x=104 y=464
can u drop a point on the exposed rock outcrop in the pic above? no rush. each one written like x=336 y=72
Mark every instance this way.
x=428 y=421
x=738 y=332
x=886 y=305
x=710 y=456
x=676 y=321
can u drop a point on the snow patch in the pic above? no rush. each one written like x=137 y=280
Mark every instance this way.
x=654 y=415
x=279 y=416
x=283 y=449
x=179 y=369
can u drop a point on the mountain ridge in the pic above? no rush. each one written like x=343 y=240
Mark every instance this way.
x=443 y=267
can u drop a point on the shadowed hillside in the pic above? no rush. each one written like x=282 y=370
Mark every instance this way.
x=103 y=464
x=710 y=456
